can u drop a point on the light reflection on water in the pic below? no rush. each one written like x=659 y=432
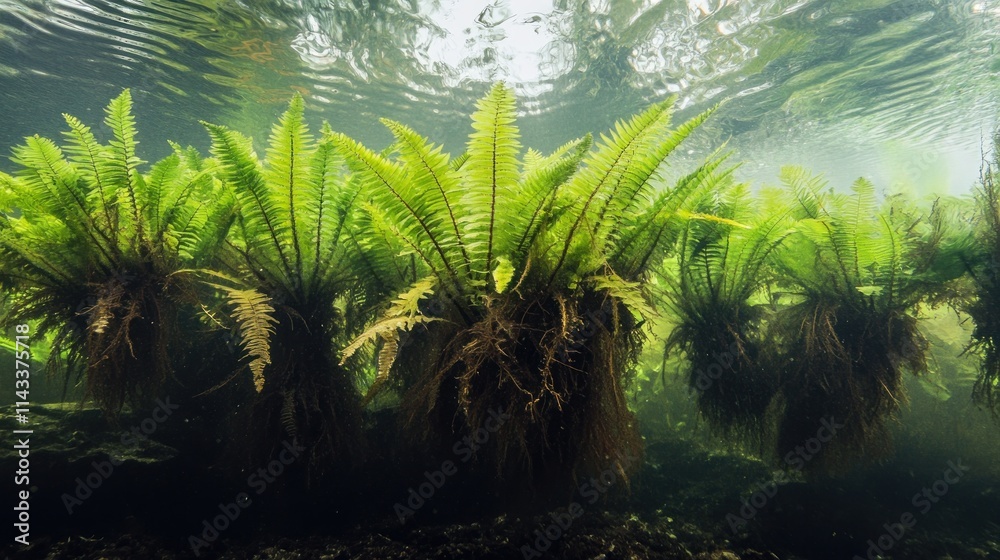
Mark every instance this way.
x=847 y=87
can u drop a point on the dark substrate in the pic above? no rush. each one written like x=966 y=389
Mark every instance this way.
x=683 y=504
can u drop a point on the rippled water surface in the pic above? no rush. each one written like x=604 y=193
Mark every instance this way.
x=900 y=91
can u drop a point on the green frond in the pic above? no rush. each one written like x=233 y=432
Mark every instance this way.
x=386 y=357
x=410 y=216
x=635 y=183
x=88 y=156
x=403 y=314
x=806 y=189
x=646 y=235
x=614 y=187
x=530 y=206
x=48 y=185
x=457 y=163
x=265 y=228
x=162 y=177
x=629 y=293
x=286 y=173
x=122 y=167
x=330 y=203
x=605 y=169
x=847 y=248
x=491 y=172
x=436 y=186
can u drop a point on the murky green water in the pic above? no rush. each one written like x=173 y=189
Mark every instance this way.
x=905 y=93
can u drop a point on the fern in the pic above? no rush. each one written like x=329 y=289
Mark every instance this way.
x=121 y=168
x=491 y=172
x=521 y=249
x=854 y=251
x=298 y=241
x=92 y=249
x=255 y=317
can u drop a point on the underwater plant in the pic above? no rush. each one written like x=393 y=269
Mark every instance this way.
x=527 y=297
x=852 y=276
x=290 y=269
x=90 y=246
x=983 y=265
x=716 y=288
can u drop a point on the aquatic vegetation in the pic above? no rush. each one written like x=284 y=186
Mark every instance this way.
x=91 y=244
x=499 y=281
x=290 y=270
x=984 y=268
x=716 y=289
x=850 y=329
x=527 y=290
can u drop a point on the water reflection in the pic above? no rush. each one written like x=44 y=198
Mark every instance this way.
x=844 y=75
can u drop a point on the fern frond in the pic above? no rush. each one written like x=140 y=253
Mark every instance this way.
x=629 y=293
x=644 y=236
x=286 y=172
x=260 y=215
x=51 y=186
x=255 y=317
x=121 y=168
x=530 y=205
x=491 y=172
x=408 y=214
x=436 y=187
x=330 y=203
x=88 y=155
x=402 y=316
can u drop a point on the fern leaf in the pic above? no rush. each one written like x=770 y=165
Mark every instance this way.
x=491 y=172
x=406 y=212
x=629 y=293
x=286 y=173
x=330 y=200
x=121 y=168
x=87 y=155
x=254 y=316
x=386 y=357
x=530 y=206
x=402 y=315
x=265 y=228
x=435 y=186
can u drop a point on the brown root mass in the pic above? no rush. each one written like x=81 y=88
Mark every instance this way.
x=557 y=366
x=844 y=364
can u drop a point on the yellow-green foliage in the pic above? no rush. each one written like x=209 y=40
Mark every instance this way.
x=89 y=244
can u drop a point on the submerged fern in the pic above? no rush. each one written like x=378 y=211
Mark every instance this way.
x=300 y=295
x=519 y=249
x=852 y=332
x=716 y=289
x=90 y=245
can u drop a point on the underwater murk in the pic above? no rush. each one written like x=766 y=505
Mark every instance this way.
x=595 y=280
